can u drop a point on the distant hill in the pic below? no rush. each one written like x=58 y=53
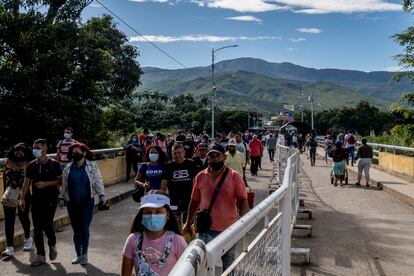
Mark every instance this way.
x=252 y=91
x=378 y=85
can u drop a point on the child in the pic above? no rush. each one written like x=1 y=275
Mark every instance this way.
x=155 y=243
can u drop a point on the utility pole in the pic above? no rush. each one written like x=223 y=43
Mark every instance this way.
x=213 y=94
x=312 y=111
x=301 y=104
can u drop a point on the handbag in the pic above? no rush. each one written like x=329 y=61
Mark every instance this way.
x=10 y=197
x=203 y=218
x=137 y=193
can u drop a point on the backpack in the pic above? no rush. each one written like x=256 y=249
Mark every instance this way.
x=351 y=139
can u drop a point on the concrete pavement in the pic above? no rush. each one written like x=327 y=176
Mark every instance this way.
x=356 y=230
x=398 y=187
x=109 y=231
x=115 y=193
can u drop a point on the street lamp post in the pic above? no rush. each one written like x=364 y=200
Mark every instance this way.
x=311 y=101
x=213 y=95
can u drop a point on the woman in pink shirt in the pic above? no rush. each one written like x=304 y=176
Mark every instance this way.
x=155 y=243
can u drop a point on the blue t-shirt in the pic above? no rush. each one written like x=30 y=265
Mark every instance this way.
x=78 y=183
x=152 y=174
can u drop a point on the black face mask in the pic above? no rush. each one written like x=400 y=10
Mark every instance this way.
x=216 y=166
x=77 y=157
x=19 y=158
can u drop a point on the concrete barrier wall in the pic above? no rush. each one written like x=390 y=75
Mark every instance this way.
x=112 y=171
x=398 y=165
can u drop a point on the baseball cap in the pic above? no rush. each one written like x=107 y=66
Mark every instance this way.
x=155 y=201
x=232 y=142
x=216 y=148
x=203 y=146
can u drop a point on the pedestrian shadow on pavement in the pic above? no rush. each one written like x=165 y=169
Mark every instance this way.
x=55 y=268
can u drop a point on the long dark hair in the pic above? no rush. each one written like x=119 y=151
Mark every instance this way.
x=171 y=224
x=28 y=154
x=161 y=155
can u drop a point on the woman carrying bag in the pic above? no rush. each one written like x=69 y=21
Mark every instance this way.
x=81 y=180
x=15 y=169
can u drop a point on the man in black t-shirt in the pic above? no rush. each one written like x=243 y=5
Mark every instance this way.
x=178 y=178
x=44 y=176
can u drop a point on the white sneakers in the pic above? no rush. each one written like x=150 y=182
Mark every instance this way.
x=8 y=252
x=28 y=244
x=83 y=260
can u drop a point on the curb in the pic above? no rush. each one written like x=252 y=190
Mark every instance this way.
x=59 y=222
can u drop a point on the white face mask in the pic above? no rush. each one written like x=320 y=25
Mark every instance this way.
x=153 y=157
x=37 y=153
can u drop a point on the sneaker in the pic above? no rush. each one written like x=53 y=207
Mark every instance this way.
x=52 y=253
x=367 y=185
x=77 y=260
x=38 y=261
x=358 y=184
x=8 y=252
x=84 y=259
x=28 y=244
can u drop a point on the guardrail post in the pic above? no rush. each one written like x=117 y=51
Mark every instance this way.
x=286 y=225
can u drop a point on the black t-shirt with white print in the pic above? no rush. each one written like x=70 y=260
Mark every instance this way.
x=180 y=182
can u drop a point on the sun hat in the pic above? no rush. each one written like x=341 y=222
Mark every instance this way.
x=155 y=201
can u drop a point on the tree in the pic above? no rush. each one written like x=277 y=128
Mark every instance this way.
x=56 y=71
x=404 y=110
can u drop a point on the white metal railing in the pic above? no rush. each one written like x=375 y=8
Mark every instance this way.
x=97 y=151
x=269 y=252
x=377 y=147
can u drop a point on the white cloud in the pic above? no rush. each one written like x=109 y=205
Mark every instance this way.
x=292 y=49
x=240 y=5
x=245 y=18
x=303 y=6
x=393 y=68
x=297 y=6
x=93 y=5
x=299 y=39
x=197 y=38
x=339 y=6
x=309 y=30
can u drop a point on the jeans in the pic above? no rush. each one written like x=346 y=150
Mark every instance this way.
x=271 y=154
x=80 y=215
x=228 y=257
x=351 y=152
x=254 y=165
x=43 y=212
x=10 y=218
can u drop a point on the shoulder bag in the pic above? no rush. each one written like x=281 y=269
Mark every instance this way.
x=203 y=218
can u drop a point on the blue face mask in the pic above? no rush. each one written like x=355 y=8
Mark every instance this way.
x=37 y=153
x=67 y=135
x=154 y=222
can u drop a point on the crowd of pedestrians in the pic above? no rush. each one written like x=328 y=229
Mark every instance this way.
x=36 y=183
x=187 y=180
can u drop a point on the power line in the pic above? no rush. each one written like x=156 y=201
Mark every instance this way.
x=147 y=40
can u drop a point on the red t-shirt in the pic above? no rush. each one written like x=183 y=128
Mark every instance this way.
x=255 y=148
x=224 y=211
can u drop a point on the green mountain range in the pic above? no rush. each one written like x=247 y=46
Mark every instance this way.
x=257 y=85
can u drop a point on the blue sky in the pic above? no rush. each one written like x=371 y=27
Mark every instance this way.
x=345 y=34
